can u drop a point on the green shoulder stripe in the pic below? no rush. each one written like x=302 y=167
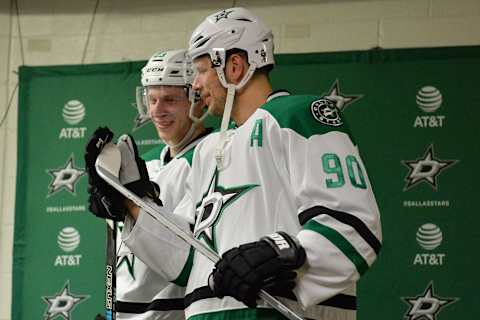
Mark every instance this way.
x=307 y=115
x=153 y=154
x=188 y=156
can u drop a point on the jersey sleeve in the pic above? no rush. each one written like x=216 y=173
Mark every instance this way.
x=158 y=247
x=336 y=207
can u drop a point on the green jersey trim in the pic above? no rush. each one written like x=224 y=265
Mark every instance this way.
x=182 y=279
x=244 y=314
x=295 y=113
x=189 y=156
x=155 y=153
x=341 y=243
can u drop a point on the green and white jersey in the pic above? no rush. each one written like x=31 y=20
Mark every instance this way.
x=293 y=167
x=141 y=292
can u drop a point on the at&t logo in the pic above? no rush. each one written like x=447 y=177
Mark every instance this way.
x=73 y=113
x=429 y=99
x=429 y=237
x=68 y=239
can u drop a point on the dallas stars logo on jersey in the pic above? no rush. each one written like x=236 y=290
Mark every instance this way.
x=65 y=177
x=426 y=168
x=62 y=303
x=125 y=258
x=325 y=110
x=213 y=205
x=128 y=261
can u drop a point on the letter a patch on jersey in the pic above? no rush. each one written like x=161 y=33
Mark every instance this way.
x=256 y=137
x=210 y=209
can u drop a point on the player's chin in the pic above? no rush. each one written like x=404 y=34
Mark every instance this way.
x=164 y=126
x=165 y=132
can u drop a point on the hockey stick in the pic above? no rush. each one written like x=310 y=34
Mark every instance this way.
x=108 y=167
x=111 y=270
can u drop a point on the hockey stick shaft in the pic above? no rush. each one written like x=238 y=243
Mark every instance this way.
x=159 y=215
x=111 y=270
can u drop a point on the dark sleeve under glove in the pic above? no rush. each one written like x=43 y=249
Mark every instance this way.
x=103 y=200
x=267 y=264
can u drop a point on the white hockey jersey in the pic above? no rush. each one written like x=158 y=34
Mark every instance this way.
x=293 y=167
x=141 y=292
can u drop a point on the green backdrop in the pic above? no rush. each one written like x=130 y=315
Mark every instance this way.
x=413 y=114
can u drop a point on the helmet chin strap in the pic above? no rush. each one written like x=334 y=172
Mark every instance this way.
x=223 y=139
x=227 y=111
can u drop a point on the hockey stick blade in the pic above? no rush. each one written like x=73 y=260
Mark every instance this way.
x=158 y=214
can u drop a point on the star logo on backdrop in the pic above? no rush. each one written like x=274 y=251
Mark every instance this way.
x=140 y=119
x=65 y=177
x=210 y=209
x=62 y=303
x=426 y=306
x=426 y=169
x=342 y=100
x=222 y=15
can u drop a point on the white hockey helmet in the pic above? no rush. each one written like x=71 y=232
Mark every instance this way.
x=234 y=28
x=168 y=68
x=165 y=68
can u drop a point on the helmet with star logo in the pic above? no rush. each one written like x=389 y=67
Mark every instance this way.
x=234 y=28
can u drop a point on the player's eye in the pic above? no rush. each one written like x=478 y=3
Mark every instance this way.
x=152 y=101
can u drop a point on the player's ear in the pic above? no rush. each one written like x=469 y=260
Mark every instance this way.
x=235 y=68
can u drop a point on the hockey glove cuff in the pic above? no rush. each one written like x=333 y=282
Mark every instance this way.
x=267 y=264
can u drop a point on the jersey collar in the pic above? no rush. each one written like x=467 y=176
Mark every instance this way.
x=277 y=93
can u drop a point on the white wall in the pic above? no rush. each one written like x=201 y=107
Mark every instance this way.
x=55 y=32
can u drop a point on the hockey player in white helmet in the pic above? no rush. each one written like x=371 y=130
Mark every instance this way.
x=164 y=97
x=282 y=194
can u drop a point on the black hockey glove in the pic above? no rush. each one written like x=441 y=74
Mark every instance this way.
x=103 y=201
x=267 y=264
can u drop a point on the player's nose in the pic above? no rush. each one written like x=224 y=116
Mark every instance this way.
x=196 y=85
